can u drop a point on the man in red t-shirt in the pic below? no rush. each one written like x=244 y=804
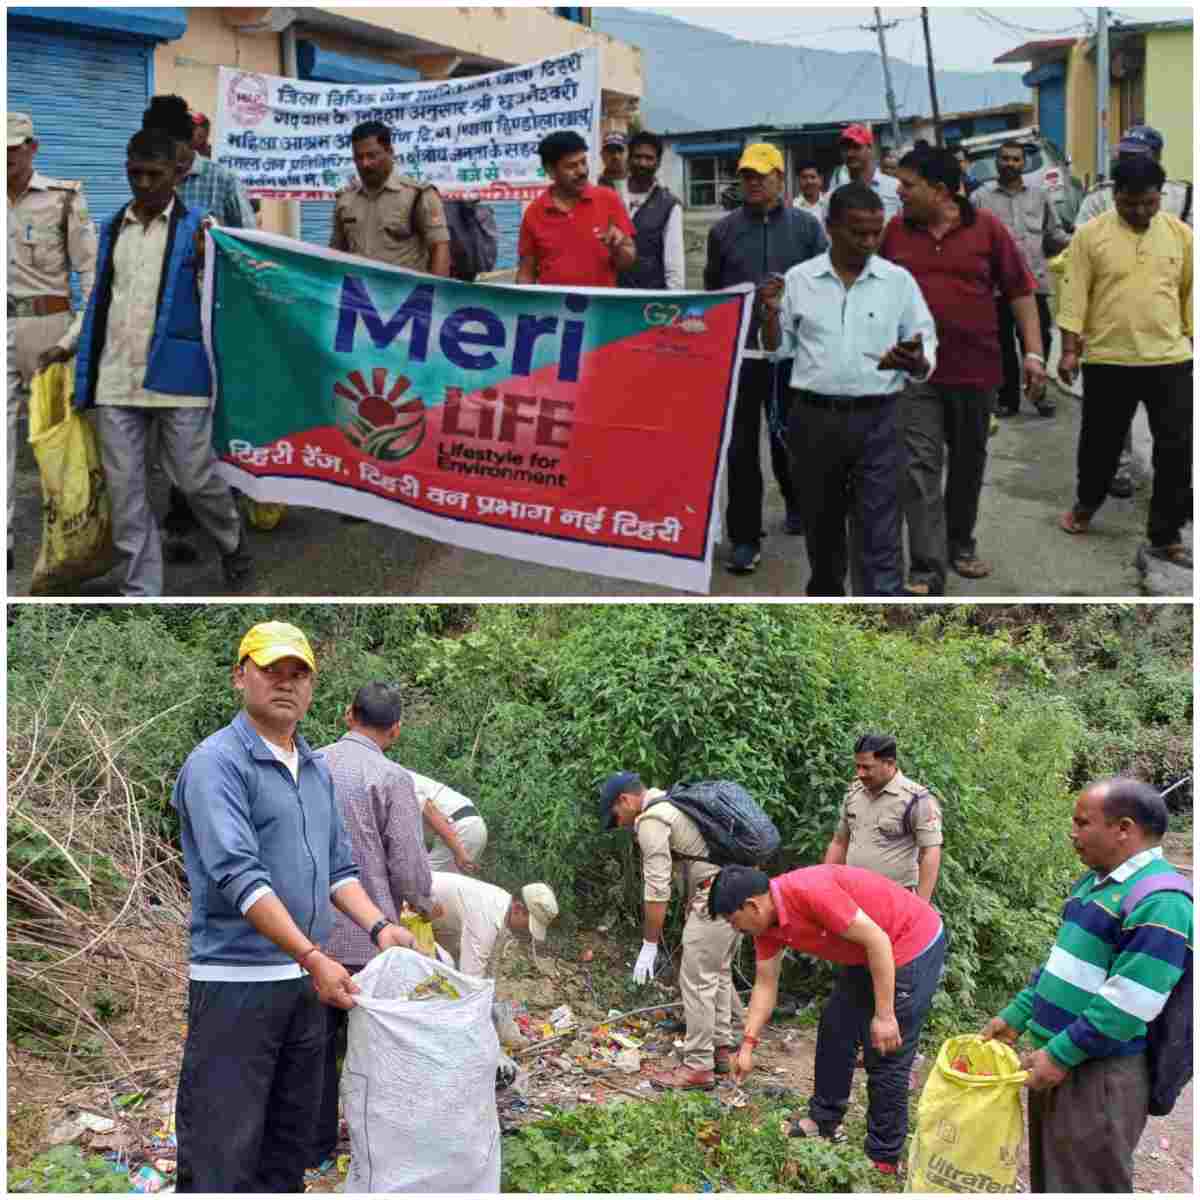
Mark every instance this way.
x=893 y=946
x=961 y=257
x=574 y=234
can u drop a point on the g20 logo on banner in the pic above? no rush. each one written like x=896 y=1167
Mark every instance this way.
x=379 y=420
x=248 y=99
x=671 y=316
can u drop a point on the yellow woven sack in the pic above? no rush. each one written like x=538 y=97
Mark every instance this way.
x=968 y=1136
x=421 y=929
x=76 y=516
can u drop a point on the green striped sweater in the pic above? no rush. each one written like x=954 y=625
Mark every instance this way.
x=1106 y=978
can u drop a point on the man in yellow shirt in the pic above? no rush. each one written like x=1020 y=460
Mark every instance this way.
x=1127 y=308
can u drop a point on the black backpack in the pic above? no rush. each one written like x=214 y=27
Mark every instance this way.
x=1169 y=1035
x=474 y=238
x=735 y=830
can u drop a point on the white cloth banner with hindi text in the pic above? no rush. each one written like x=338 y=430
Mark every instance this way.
x=289 y=139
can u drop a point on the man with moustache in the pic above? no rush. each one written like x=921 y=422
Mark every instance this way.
x=1030 y=216
x=765 y=237
x=859 y=166
x=657 y=219
x=855 y=326
x=1122 y=947
x=575 y=234
x=615 y=155
x=1126 y=309
x=387 y=215
x=267 y=858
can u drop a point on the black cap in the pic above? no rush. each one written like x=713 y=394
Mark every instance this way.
x=611 y=788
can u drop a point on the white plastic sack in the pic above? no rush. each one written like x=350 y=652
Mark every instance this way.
x=419 y=1083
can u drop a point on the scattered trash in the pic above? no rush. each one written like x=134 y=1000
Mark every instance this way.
x=629 y=1061
x=601 y=928
x=625 y=1041
x=612 y=1014
x=736 y=1099
x=165 y=1165
x=148 y=1179
x=586 y=956
x=562 y=1018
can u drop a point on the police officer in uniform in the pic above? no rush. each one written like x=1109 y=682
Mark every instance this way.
x=49 y=235
x=888 y=823
x=386 y=215
x=1176 y=200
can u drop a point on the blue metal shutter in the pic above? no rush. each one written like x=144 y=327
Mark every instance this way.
x=86 y=94
x=1052 y=111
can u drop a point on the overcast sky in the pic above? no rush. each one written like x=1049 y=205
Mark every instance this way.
x=963 y=38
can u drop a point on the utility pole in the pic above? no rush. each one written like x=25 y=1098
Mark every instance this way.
x=879 y=27
x=1102 y=90
x=937 y=116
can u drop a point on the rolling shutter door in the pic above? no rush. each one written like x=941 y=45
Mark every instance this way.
x=86 y=94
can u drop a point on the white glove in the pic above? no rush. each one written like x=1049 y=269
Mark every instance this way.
x=643 y=969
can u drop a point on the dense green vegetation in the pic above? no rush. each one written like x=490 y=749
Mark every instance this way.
x=1003 y=712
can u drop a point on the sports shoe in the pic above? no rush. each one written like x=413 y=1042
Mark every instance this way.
x=238 y=567
x=744 y=559
x=1121 y=485
x=722 y=1060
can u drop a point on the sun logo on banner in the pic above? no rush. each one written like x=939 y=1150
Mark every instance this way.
x=380 y=421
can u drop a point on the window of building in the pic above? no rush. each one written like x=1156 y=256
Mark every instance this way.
x=708 y=177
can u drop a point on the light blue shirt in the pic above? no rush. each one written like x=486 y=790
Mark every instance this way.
x=884 y=186
x=830 y=330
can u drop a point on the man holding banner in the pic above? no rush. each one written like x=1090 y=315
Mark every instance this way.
x=575 y=233
x=388 y=216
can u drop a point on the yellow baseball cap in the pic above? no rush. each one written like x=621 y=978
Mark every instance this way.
x=273 y=640
x=761 y=157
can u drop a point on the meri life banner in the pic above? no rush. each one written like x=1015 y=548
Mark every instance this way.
x=581 y=428
x=289 y=139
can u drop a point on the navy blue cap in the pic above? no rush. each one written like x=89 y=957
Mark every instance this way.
x=611 y=788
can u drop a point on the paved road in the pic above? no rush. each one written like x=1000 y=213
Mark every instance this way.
x=1029 y=481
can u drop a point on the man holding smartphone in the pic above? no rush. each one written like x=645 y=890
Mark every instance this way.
x=856 y=326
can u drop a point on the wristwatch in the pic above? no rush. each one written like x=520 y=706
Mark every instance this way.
x=378 y=928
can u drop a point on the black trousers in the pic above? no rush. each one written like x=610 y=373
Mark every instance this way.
x=845 y=1022
x=847 y=460
x=1010 y=392
x=337 y=1027
x=250 y=1086
x=1111 y=395
x=757 y=381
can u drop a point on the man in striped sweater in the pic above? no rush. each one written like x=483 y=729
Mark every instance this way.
x=1087 y=1008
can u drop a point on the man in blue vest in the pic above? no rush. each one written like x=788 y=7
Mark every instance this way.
x=657 y=217
x=142 y=362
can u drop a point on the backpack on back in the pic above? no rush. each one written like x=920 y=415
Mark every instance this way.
x=1169 y=1035
x=735 y=830
x=474 y=238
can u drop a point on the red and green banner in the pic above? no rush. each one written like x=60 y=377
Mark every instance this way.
x=582 y=428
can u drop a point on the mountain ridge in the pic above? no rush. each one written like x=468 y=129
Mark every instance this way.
x=760 y=83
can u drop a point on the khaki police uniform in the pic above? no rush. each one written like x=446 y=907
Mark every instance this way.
x=399 y=224
x=878 y=837
x=49 y=234
x=706 y=969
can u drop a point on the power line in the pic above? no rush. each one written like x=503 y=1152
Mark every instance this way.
x=1012 y=27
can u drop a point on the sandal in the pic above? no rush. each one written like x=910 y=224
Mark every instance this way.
x=806 y=1127
x=1074 y=523
x=970 y=567
x=1175 y=553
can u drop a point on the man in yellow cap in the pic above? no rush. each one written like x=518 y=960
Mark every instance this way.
x=266 y=852
x=766 y=237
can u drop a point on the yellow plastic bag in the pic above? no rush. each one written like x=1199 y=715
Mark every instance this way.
x=76 y=516
x=262 y=514
x=968 y=1136
x=421 y=929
